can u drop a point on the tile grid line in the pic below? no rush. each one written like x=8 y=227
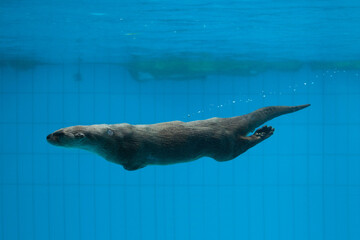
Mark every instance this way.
x=190 y=185
x=140 y=90
x=323 y=227
x=167 y=228
x=78 y=154
x=125 y=181
x=1 y=163
x=263 y=178
x=203 y=165
x=17 y=157
x=62 y=155
x=173 y=192
x=33 y=224
x=293 y=224
x=347 y=167
x=335 y=196
x=188 y=170
x=109 y=166
x=48 y=155
x=308 y=219
x=234 y=219
x=283 y=124
x=277 y=173
x=155 y=173
x=249 y=154
x=218 y=222
x=248 y=182
x=94 y=158
x=251 y=94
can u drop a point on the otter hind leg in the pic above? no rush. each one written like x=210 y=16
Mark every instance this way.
x=245 y=143
x=262 y=133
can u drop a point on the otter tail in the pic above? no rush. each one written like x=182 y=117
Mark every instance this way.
x=265 y=114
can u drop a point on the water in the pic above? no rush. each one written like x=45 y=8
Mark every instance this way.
x=65 y=63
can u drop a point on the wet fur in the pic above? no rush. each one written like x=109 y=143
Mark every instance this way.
x=136 y=146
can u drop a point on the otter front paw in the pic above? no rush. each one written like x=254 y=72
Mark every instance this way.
x=264 y=132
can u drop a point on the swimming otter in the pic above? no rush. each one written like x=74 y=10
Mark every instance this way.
x=136 y=146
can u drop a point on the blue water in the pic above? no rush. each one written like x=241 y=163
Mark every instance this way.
x=65 y=63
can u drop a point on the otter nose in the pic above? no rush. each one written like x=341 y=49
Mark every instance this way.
x=49 y=136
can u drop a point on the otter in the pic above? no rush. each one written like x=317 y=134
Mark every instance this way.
x=136 y=146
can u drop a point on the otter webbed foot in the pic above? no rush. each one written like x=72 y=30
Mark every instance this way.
x=264 y=133
x=248 y=142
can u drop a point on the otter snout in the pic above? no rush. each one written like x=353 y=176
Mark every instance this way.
x=49 y=136
x=55 y=137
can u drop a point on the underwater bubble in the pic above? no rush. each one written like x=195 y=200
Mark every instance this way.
x=305 y=83
x=110 y=132
x=188 y=115
x=264 y=96
x=233 y=101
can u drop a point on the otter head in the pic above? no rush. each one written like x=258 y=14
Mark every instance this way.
x=85 y=137
x=69 y=137
x=104 y=140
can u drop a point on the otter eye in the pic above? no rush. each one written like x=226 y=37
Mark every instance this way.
x=110 y=132
x=59 y=134
x=79 y=135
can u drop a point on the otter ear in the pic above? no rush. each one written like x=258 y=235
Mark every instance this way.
x=79 y=135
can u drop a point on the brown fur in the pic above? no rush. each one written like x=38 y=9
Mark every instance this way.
x=136 y=146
